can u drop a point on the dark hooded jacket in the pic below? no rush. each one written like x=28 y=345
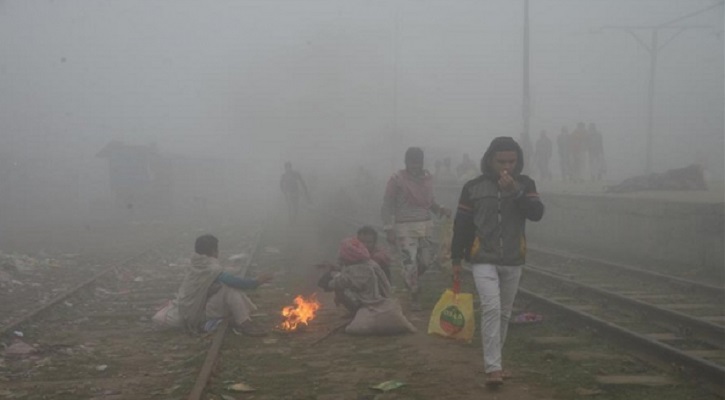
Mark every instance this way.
x=490 y=224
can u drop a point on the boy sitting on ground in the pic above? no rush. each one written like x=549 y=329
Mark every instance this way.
x=208 y=293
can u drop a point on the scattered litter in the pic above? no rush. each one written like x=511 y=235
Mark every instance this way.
x=269 y=340
x=6 y=394
x=101 y=367
x=238 y=257
x=43 y=362
x=212 y=324
x=25 y=263
x=18 y=333
x=110 y=293
x=228 y=397
x=241 y=387
x=19 y=348
x=527 y=318
x=67 y=303
x=388 y=386
x=588 y=392
x=138 y=279
x=271 y=250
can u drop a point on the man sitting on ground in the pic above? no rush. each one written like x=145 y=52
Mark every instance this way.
x=208 y=293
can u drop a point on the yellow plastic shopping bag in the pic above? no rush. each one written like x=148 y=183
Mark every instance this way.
x=452 y=315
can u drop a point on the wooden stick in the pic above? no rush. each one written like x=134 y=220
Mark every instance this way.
x=331 y=332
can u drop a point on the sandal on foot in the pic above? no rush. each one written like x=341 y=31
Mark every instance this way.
x=250 y=328
x=494 y=379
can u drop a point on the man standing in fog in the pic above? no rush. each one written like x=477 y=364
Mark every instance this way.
x=562 y=146
x=578 y=145
x=489 y=232
x=407 y=205
x=597 y=163
x=542 y=155
x=291 y=185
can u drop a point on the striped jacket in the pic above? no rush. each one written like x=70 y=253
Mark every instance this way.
x=490 y=224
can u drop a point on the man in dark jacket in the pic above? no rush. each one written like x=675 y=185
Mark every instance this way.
x=489 y=233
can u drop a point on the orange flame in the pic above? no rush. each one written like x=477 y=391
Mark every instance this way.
x=301 y=313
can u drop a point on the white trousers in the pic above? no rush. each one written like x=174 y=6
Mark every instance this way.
x=497 y=287
x=230 y=302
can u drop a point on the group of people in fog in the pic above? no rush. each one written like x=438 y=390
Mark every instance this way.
x=488 y=234
x=464 y=171
x=581 y=157
x=580 y=150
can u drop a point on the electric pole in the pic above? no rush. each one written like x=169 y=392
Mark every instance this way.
x=654 y=48
x=525 y=137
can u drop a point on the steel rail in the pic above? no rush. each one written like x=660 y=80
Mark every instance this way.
x=70 y=292
x=710 y=332
x=714 y=373
x=213 y=354
x=703 y=287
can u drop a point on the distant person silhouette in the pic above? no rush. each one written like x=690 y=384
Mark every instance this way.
x=292 y=186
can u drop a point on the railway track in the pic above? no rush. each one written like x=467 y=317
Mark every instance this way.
x=671 y=319
x=31 y=282
x=96 y=340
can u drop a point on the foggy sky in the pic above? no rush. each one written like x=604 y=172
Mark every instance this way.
x=335 y=82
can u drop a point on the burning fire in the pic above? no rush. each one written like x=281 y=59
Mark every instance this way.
x=301 y=312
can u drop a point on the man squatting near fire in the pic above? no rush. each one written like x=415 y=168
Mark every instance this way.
x=362 y=287
x=369 y=237
x=489 y=232
x=406 y=215
x=359 y=280
x=209 y=294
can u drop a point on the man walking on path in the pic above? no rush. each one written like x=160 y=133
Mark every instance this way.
x=406 y=214
x=489 y=232
x=291 y=185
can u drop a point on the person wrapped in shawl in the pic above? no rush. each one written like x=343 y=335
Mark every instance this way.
x=209 y=294
x=360 y=281
x=406 y=214
x=369 y=237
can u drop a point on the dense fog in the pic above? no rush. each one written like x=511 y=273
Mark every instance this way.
x=220 y=94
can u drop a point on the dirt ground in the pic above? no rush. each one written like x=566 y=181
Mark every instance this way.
x=297 y=366
x=307 y=365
